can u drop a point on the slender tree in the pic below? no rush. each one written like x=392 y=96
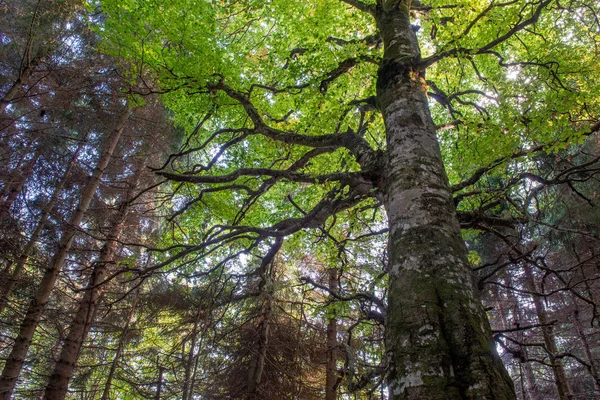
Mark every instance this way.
x=29 y=247
x=63 y=370
x=120 y=347
x=15 y=362
x=332 y=376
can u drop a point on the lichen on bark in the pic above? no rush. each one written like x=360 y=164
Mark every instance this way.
x=438 y=337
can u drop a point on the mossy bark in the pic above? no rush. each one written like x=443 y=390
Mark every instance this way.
x=438 y=336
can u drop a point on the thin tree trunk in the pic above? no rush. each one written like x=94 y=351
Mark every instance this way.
x=22 y=261
x=16 y=359
x=15 y=188
x=8 y=184
x=24 y=75
x=188 y=382
x=63 y=370
x=265 y=287
x=586 y=346
x=159 y=383
x=438 y=337
x=530 y=390
x=530 y=381
x=194 y=374
x=560 y=378
x=263 y=341
x=331 y=374
x=28 y=65
x=120 y=346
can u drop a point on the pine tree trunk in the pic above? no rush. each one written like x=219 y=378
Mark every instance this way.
x=586 y=346
x=8 y=183
x=24 y=75
x=28 y=64
x=530 y=390
x=16 y=359
x=531 y=387
x=560 y=378
x=438 y=337
x=120 y=346
x=259 y=364
x=188 y=382
x=12 y=191
x=266 y=289
x=63 y=370
x=159 y=383
x=331 y=374
x=16 y=273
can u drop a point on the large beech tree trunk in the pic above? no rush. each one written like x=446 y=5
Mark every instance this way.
x=16 y=359
x=63 y=370
x=438 y=337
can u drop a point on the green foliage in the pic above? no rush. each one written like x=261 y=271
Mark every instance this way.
x=498 y=95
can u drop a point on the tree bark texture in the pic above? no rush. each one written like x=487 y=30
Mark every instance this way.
x=188 y=381
x=593 y=370
x=18 y=270
x=438 y=338
x=255 y=372
x=159 y=383
x=16 y=359
x=115 y=362
x=80 y=326
x=560 y=378
x=14 y=188
x=531 y=389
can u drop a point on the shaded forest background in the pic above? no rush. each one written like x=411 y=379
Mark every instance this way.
x=134 y=290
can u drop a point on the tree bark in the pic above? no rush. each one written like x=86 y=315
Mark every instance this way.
x=331 y=374
x=438 y=337
x=255 y=373
x=560 y=378
x=120 y=346
x=159 y=382
x=532 y=390
x=8 y=182
x=586 y=346
x=24 y=75
x=188 y=382
x=28 y=64
x=16 y=359
x=14 y=188
x=63 y=370
x=16 y=273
